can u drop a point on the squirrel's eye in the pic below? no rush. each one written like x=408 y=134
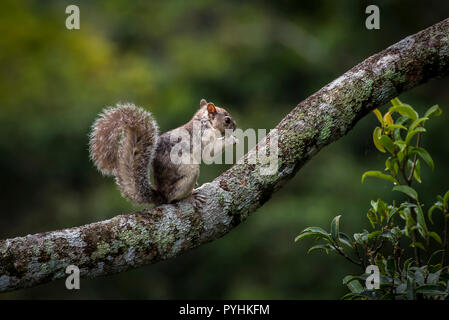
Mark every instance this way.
x=228 y=120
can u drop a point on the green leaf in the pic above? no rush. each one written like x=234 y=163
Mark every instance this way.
x=345 y=239
x=353 y=284
x=400 y=144
x=388 y=119
x=397 y=133
x=400 y=156
x=408 y=263
x=407 y=190
x=432 y=208
x=433 y=111
x=422 y=226
x=377 y=134
x=404 y=110
x=382 y=210
x=374 y=204
x=387 y=234
x=308 y=235
x=378 y=174
x=324 y=247
x=417 y=171
x=350 y=296
x=424 y=155
x=431 y=289
x=418 y=245
x=350 y=278
x=361 y=238
x=396 y=102
x=304 y=235
x=335 y=228
x=412 y=133
x=409 y=221
x=379 y=116
x=435 y=236
x=387 y=143
x=388 y=165
x=401 y=288
x=372 y=217
x=313 y=232
x=411 y=291
x=392 y=213
x=433 y=278
x=374 y=234
x=316 y=230
x=396 y=126
x=417 y=122
x=446 y=200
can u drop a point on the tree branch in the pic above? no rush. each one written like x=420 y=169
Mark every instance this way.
x=132 y=240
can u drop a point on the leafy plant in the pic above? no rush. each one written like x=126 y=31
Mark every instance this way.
x=410 y=257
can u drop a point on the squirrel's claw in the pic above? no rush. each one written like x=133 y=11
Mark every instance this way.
x=198 y=199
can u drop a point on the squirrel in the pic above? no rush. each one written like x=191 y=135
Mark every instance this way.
x=125 y=143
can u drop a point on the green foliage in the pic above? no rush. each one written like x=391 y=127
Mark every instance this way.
x=411 y=258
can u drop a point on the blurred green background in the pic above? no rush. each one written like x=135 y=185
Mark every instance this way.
x=258 y=60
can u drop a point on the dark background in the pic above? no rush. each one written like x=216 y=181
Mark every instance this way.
x=258 y=60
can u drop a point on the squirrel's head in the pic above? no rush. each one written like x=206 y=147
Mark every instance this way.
x=219 y=118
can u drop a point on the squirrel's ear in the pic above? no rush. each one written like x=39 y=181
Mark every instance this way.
x=211 y=108
x=203 y=102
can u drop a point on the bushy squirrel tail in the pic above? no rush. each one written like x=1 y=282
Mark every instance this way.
x=122 y=144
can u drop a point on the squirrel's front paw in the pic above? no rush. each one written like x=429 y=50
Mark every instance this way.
x=230 y=140
x=198 y=199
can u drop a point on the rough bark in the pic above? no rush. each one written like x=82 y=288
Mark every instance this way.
x=131 y=240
